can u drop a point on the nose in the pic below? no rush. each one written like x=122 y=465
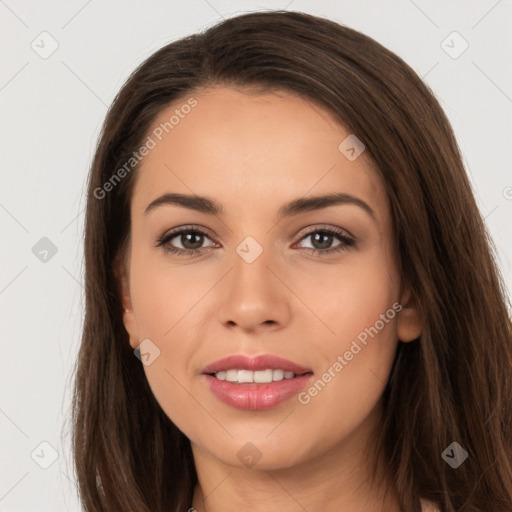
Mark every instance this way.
x=253 y=296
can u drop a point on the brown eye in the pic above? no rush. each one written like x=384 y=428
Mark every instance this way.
x=322 y=240
x=190 y=238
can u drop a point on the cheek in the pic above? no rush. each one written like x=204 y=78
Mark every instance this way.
x=162 y=293
x=355 y=370
x=351 y=296
x=167 y=301
x=359 y=305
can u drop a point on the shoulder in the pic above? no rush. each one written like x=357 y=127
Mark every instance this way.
x=428 y=506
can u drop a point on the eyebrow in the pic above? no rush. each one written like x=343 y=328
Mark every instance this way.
x=295 y=207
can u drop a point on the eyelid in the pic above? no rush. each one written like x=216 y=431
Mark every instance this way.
x=326 y=227
x=187 y=227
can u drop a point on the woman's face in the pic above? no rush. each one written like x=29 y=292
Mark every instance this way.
x=317 y=285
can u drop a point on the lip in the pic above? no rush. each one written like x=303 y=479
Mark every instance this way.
x=252 y=396
x=261 y=362
x=256 y=397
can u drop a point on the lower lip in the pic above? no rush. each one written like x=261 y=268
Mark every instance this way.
x=256 y=397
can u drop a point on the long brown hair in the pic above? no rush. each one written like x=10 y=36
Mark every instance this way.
x=452 y=384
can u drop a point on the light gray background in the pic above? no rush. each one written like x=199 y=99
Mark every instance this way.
x=51 y=113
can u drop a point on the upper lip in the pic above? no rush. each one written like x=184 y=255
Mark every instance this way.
x=261 y=362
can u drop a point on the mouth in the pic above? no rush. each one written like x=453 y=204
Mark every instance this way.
x=258 y=383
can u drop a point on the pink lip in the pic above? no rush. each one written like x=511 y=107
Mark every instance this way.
x=254 y=397
x=262 y=362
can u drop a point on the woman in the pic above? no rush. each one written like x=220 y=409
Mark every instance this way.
x=279 y=226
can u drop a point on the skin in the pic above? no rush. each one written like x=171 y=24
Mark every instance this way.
x=253 y=153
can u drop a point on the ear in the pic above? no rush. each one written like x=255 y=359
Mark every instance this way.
x=123 y=280
x=409 y=321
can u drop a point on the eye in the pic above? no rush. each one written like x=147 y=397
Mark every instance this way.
x=322 y=239
x=191 y=239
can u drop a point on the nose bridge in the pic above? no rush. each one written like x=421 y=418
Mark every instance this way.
x=253 y=239
x=251 y=274
x=253 y=296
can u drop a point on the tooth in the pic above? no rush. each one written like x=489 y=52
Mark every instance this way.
x=263 y=376
x=278 y=375
x=232 y=375
x=245 y=376
x=259 y=377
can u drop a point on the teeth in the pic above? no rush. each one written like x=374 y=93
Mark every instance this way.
x=277 y=374
x=232 y=375
x=259 y=377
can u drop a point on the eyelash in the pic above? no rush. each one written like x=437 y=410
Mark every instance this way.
x=163 y=241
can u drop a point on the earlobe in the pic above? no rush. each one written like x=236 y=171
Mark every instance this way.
x=409 y=320
x=130 y=325
x=129 y=319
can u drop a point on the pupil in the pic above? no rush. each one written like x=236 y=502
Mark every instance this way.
x=187 y=237
x=324 y=245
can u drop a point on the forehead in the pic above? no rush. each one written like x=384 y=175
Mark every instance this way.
x=251 y=150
